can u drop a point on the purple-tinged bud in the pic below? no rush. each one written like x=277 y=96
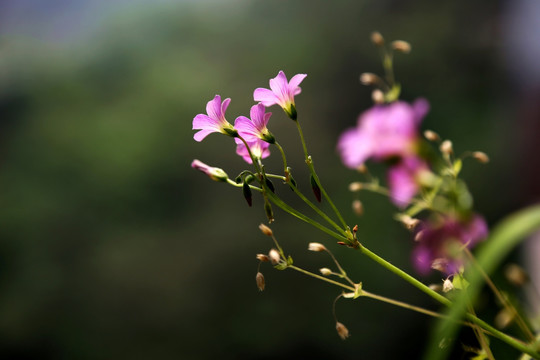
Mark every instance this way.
x=214 y=173
x=401 y=46
x=316 y=247
x=431 y=135
x=265 y=230
x=316 y=189
x=342 y=331
x=325 y=271
x=481 y=157
x=259 y=278
x=358 y=208
x=247 y=193
x=263 y=258
x=377 y=38
x=274 y=256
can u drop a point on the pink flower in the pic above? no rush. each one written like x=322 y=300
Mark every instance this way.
x=214 y=173
x=215 y=120
x=384 y=131
x=259 y=149
x=438 y=242
x=254 y=129
x=281 y=92
x=402 y=179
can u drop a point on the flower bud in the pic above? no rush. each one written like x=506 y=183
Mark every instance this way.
x=516 y=275
x=355 y=186
x=325 y=271
x=259 y=278
x=481 y=157
x=401 y=46
x=247 y=193
x=377 y=38
x=362 y=168
x=447 y=286
x=274 y=256
x=315 y=187
x=358 y=208
x=409 y=222
x=214 y=173
x=431 y=135
x=263 y=258
x=377 y=96
x=446 y=147
x=268 y=211
x=503 y=319
x=369 y=78
x=265 y=230
x=270 y=185
x=436 y=287
x=316 y=247
x=342 y=331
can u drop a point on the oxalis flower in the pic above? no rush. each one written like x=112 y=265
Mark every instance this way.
x=281 y=92
x=259 y=149
x=254 y=129
x=403 y=179
x=214 y=173
x=214 y=120
x=440 y=242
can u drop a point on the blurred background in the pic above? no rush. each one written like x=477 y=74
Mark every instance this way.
x=111 y=246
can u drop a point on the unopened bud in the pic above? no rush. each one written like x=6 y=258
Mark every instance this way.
x=503 y=319
x=436 y=287
x=377 y=96
x=362 y=168
x=259 y=278
x=316 y=247
x=481 y=157
x=269 y=212
x=355 y=186
x=265 y=230
x=214 y=173
x=446 y=147
x=447 y=286
x=401 y=46
x=247 y=193
x=377 y=38
x=315 y=187
x=369 y=78
x=431 y=135
x=274 y=256
x=342 y=331
x=409 y=222
x=358 y=208
x=263 y=258
x=326 y=271
x=516 y=275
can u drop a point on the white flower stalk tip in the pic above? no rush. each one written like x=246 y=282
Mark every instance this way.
x=401 y=46
x=355 y=186
x=377 y=96
x=377 y=38
x=265 y=230
x=274 y=256
x=325 y=271
x=481 y=157
x=259 y=278
x=316 y=247
x=446 y=147
x=431 y=135
x=369 y=79
x=263 y=258
x=447 y=286
x=358 y=208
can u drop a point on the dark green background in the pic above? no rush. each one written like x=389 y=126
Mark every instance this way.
x=112 y=247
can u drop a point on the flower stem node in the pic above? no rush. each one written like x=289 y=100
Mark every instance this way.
x=325 y=271
x=213 y=173
x=266 y=230
x=316 y=247
x=342 y=331
x=259 y=278
x=401 y=46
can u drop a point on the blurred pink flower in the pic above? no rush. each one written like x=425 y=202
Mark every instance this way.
x=402 y=179
x=215 y=120
x=255 y=128
x=259 y=149
x=382 y=132
x=281 y=92
x=436 y=242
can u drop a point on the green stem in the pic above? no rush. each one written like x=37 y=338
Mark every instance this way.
x=252 y=187
x=284 y=159
x=309 y=162
x=320 y=277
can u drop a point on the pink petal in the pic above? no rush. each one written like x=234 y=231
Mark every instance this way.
x=257 y=116
x=205 y=122
x=200 y=135
x=354 y=148
x=265 y=96
x=246 y=128
x=213 y=108
x=295 y=81
x=420 y=108
x=280 y=87
x=224 y=106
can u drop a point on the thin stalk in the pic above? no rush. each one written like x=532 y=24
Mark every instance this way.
x=320 y=277
x=284 y=159
x=252 y=187
x=309 y=162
